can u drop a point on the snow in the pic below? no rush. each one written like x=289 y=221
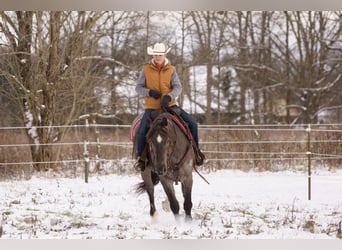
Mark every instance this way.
x=32 y=130
x=235 y=205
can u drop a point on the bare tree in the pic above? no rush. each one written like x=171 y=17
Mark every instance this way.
x=314 y=65
x=288 y=60
x=209 y=34
x=47 y=75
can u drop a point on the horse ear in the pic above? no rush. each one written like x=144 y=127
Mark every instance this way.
x=164 y=122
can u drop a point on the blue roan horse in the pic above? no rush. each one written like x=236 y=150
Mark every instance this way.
x=171 y=158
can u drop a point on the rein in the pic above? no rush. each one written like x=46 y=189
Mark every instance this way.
x=172 y=133
x=185 y=156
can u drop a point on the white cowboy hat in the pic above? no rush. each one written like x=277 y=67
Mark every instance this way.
x=158 y=49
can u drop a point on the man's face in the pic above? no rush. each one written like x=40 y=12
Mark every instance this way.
x=159 y=59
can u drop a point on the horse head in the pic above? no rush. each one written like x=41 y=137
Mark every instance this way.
x=161 y=143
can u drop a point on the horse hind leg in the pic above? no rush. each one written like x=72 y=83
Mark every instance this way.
x=187 y=205
x=152 y=205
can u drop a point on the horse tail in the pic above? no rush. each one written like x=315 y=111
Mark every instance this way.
x=141 y=187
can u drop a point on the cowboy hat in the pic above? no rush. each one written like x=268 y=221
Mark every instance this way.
x=157 y=49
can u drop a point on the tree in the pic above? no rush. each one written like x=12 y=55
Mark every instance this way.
x=44 y=68
x=208 y=30
x=314 y=69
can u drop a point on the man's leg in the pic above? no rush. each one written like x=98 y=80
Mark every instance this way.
x=141 y=140
x=192 y=123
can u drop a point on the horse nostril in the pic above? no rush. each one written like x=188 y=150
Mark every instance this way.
x=162 y=171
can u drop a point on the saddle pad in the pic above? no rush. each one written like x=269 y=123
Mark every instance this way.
x=135 y=126
x=181 y=125
x=137 y=121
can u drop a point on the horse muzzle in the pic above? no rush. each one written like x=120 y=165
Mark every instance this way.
x=162 y=171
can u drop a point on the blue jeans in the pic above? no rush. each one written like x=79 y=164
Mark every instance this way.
x=141 y=135
x=192 y=124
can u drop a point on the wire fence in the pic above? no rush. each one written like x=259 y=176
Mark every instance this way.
x=107 y=148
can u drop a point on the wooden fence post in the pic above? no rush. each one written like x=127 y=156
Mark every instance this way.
x=97 y=156
x=308 y=152
x=86 y=152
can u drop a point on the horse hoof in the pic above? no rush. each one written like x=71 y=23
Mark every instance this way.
x=188 y=218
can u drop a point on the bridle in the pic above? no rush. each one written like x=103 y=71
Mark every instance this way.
x=169 y=133
x=160 y=128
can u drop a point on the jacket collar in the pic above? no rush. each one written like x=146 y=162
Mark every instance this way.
x=166 y=63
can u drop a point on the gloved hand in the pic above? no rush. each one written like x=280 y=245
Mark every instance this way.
x=165 y=102
x=155 y=94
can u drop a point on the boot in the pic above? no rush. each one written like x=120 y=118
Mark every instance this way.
x=199 y=157
x=139 y=165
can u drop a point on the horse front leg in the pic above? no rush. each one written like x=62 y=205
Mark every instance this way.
x=149 y=187
x=170 y=192
x=187 y=191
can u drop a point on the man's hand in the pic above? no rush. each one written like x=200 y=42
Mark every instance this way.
x=155 y=94
x=165 y=102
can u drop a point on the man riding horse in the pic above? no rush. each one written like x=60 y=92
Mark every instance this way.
x=159 y=84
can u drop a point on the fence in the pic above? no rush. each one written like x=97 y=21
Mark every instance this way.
x=105 y=149
x=273 y=147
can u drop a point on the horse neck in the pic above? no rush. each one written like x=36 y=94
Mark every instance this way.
x=182 y=142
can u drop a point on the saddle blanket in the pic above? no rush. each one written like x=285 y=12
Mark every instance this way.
x=137 y=121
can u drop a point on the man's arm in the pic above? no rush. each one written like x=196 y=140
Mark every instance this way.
x=140 y=87
x=176 y=86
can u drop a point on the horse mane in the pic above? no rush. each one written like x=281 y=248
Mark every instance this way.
x=159 y=122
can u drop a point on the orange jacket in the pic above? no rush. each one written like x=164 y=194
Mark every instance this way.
x=165 y=81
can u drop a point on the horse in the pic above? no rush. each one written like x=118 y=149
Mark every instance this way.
x=171 y=159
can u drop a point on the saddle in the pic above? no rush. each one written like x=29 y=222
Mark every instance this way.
x=175 y=115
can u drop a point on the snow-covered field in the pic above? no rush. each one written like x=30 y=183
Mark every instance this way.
x=236 y=205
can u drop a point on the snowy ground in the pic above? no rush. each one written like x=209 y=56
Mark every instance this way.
x=236 y=205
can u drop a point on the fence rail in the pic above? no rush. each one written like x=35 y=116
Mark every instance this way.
x=97 y=147
x=261 y=147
